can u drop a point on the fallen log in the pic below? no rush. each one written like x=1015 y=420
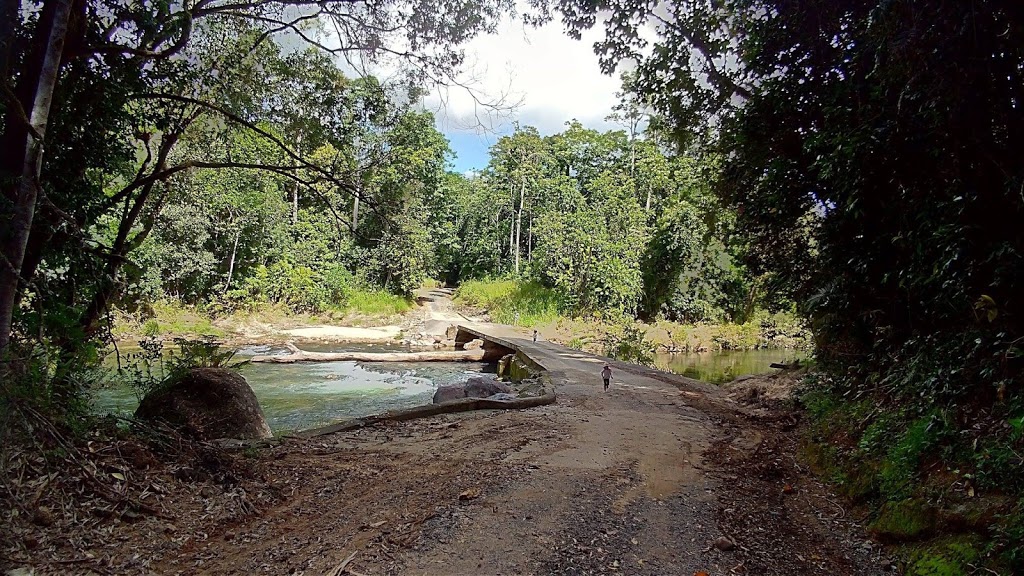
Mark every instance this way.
x=426 y=410
x=429 y=356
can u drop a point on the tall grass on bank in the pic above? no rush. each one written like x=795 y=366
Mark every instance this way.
x=510 y=302
x=376 y=303
x=172 y=318
x=532 y=305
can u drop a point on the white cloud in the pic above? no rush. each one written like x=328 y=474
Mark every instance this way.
x=552 y=76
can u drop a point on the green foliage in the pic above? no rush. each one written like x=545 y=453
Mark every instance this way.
x=902 y=463
x=527 y=304
x=898 y=461
x=153 y=367
x=1008 y=540
x=42 y=379
x=630 y=344
x=902 y=521
x=151 y=327
x=377 y=303
x=997 y=463
x=957 y=556
x=592 y=255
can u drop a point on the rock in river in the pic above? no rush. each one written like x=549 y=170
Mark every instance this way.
x=448 y=393
x=483 y=387
x=208 y=403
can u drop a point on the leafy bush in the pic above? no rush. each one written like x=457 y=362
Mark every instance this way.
x=299 y=288
x=510 y=302
x=41 y=379
x=153 y=367
x=630 y=345
x=377 y=302
x=338 y=283
x=151 y=327
x=484 y=293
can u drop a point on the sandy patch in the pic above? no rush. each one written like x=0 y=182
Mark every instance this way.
x=348 y=333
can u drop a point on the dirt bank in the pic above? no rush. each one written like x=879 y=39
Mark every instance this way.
x=660 y=475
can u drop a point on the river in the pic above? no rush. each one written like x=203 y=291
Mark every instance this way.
x=306 y=395
x=724 y=366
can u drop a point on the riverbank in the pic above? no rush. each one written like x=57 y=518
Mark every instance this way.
x=656 y=476
x=375 y=318
x=387 y=318
x=531 y=306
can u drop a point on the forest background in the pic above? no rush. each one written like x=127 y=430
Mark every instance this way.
x=855 y=162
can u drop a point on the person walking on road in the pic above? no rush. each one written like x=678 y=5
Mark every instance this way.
x=606 y=374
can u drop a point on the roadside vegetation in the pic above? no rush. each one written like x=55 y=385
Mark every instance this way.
x=531 y=305
x=866 y=194
x=172 y=318
x=856 y=182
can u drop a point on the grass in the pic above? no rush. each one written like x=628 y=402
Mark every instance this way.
x=169 y=318
x=484 y=293
x=510 y=302
x=377 y=303
x=173 y=319
x=532 y=305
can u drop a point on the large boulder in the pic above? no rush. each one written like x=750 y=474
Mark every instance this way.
x=448 y=393
x=478 y=387
x=503 y=396
x=208 y=403
x=436 y=327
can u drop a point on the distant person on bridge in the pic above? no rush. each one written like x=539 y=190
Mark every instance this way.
x=534 y=335
x=606 y=374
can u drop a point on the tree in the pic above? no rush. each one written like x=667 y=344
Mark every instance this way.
x=117 y=61
x=590 y=248
x=867 y=148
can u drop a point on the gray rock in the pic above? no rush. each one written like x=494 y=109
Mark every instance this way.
x=484 y=387
x=475 y=344
x=207 y=404
x=436 y=327
x=503 y=396
x=448 y=394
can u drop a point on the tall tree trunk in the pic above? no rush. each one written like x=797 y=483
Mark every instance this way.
x=23 y=144
x=295 y=185
x=355 y=210
x=123 y=245
x=231 y=264
x=632 y=154
x=529 y=242
x=512 y=220
x=519 y=220
x=648 y=208
x=295 y=203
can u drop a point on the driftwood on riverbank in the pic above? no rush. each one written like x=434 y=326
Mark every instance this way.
x=423 y=411
x=463 y=405
x=429 y=356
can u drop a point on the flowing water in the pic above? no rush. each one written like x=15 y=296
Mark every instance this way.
x=305 y=395
x=722 y=367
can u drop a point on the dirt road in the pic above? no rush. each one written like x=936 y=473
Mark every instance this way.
x=659 y=475
x=642 y=479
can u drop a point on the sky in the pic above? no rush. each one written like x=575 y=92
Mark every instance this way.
x=552 y=77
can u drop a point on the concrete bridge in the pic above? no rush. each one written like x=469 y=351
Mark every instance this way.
x=566 y=366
